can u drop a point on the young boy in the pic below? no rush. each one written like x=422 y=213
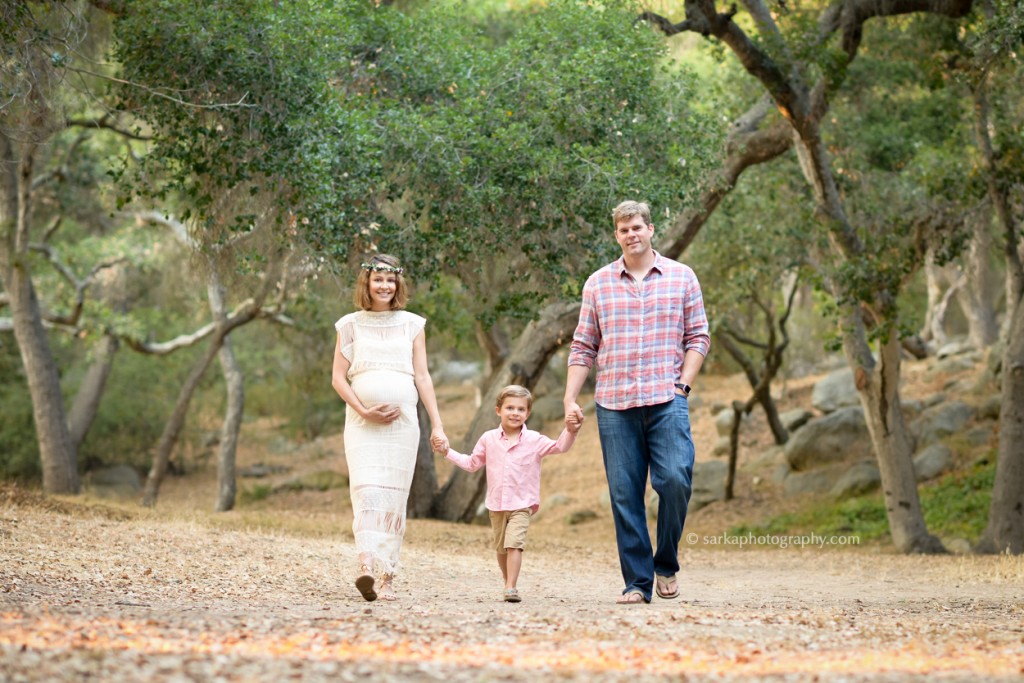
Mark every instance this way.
x=512 y=453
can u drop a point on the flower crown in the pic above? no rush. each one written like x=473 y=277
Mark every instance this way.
x=382 y=268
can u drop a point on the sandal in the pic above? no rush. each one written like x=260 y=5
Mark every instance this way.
x=387 y=591
x=364 y=584
x=512 y=595
x=631 y=597
x=666 y=587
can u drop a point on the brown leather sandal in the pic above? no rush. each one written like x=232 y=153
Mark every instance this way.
x=364 y=584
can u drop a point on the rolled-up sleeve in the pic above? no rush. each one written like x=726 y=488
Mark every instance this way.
x=587 y=337
x=696 y=336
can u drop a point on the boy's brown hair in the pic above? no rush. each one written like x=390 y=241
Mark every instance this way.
x=516 y=391
x=380 y=262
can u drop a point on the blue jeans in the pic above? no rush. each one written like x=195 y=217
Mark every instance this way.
x=634 y=442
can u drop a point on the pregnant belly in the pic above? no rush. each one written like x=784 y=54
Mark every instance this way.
x=384 y=387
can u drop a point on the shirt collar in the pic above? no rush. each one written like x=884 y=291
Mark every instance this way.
x=658 y=265
x=522 y=433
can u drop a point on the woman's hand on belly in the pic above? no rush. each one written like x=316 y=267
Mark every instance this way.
x=383 y=413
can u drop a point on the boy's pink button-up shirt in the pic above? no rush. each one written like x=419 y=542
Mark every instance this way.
x=513 y=467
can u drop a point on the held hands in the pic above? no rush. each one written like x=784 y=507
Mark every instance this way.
x=573 y=417
x=382 y=413
x=438 y=441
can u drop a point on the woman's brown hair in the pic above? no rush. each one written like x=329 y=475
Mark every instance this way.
x=380 y=263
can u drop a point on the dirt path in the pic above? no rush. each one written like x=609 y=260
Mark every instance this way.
x=99 y=596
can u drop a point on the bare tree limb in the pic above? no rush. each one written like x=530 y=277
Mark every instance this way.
x=80 y=284
x=244 y=311
x=54 y=227
x=105 y=123
x=157 y=93
x=60 y=172
x=747 y=147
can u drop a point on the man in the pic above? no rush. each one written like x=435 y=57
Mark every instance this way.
x=644 y=324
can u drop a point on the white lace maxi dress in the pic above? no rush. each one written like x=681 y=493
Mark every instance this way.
x=381 y=458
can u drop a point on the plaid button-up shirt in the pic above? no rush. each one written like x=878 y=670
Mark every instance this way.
x=639 y=332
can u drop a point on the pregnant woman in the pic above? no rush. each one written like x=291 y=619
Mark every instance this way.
x=380 y=369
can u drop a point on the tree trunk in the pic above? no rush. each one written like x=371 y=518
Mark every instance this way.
x=771 y=413
x=461 y=495
x=877 y=383
x=878 y=386
x=234 y=382
x=57 y=452
x=176 y=421
x=933 y=329
x=172 y=429
x=494 y=342
x=87 y=400
x=424 y=477
x=977 y=296
x=1005 y=529
x=739 y=410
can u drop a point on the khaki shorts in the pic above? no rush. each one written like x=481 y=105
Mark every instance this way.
x=510 y=529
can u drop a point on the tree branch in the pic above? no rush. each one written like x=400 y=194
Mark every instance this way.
x=701 y=17
x=104 y=122
x=849 y=16
x=157 y=93
x=747 y=147
x=61 y=171
x=80 y=284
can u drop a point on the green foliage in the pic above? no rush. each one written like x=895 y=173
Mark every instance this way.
x=19 y=453
x=135 y=405
x=956 y=505
x=863 y=517
x=507 y=154
x=254 y=494
x=239 y=93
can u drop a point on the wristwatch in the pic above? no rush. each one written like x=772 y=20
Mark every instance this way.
x=685 y=388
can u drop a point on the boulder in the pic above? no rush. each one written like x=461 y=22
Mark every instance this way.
x=841 y=435
x=794 y=419
x=954 y=347
x=932 y=461
x=770 y=457
x=580 y=516
x=723 y=422
x=950 y=365
x=116 y=481
x=941 y=421
x=708 y=485
x=836 y=391
x=815 y=481
x=859 y=479
x=990 y=407
x=457 y=372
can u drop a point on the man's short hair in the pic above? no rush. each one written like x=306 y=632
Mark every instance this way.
x=628 y=209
